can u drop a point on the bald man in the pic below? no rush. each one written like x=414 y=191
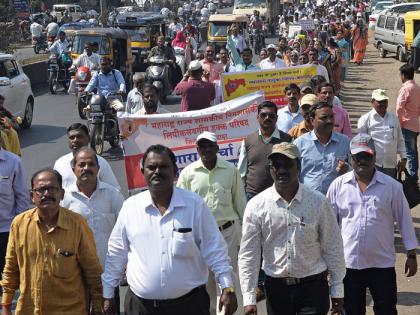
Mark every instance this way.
x=135 y=97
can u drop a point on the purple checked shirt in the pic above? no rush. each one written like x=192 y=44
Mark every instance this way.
x=367 y=219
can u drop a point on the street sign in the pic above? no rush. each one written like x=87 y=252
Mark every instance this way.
x=21 y=8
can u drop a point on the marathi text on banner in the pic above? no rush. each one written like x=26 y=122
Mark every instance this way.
x=272 y=82
x=231 y=121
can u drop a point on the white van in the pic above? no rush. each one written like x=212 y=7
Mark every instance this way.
x=74 y=10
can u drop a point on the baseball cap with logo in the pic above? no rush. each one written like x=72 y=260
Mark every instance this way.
x=287 y=149
x=379 y=95
x=195 y=65
x=207 y=136
x=362 y=142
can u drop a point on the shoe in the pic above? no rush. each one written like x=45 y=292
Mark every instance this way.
x=260 y=294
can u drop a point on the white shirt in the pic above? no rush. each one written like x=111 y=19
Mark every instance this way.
x=267 y=64
x=100 y=211
x=163 y=263
x=59 y=47
x=298 y=239
x=387 y=135
x=286 y=120
x=63 y=166
x=239 y=42
x=52 y=29
x=36 y=29
x=134 y=101
x=92 y=61
x=176 y=27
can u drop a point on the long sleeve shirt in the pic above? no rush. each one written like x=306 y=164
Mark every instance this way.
x=408 y=106
x=221 y=188
x=342 y=121
x=286 y=120
x=298 y=239
x=367 y=219
x=100 y=211
x=14 y=195
x=58 y=47
x=53 y=270
x=92 y=61
x=109 y=83
x=319 y=162
x=63 y=166
x=162 y=261
x=387 y=135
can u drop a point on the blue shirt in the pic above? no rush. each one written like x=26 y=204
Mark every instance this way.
x=14 y=195
x=286 y=120
x=107 y=83
x=319 y=161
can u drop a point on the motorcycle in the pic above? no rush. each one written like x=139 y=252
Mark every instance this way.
x=157 y=74
x=58 y=73
x=51 y=39
x=102 y=122
x=83 y=76
x=39 y=43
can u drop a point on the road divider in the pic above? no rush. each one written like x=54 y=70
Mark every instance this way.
x=37 y=73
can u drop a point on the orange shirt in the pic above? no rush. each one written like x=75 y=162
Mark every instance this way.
x=298 y=130
x=53 y=270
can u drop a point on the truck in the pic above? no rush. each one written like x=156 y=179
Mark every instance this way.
x=269 y=9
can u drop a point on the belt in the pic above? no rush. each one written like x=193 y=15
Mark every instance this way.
x=294 y=281
x=173 y=302
x=226 y=225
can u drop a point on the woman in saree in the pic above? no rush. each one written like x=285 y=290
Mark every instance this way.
x=336 y=64
x=345 y=49
x=360 y=41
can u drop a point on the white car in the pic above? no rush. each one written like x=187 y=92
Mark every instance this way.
x=15 y=86
x=380 y=6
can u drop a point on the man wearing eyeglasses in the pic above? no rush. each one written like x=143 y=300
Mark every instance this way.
x=366 y=202
x=51 y=256
x=300 y=241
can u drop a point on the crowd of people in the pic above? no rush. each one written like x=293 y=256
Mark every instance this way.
x=305 y=221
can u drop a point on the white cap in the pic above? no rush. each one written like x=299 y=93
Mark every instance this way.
x=195 y=65
x=359 y=14
x=208 y=136
x=271 y=46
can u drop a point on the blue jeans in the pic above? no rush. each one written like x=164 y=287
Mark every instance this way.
x=410 y=139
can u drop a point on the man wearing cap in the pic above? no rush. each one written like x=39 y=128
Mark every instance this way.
x=289 y=116
x=272 y=62
x=196 y=93
x=219 y=183
x=305 y=125
x=324 y=152
x=306 y=88
x=300 y=241
x=385 y=130
x=366 y=203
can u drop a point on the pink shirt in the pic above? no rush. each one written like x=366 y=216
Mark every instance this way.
x=213 y=68
x=342 y=121
x=408 y=106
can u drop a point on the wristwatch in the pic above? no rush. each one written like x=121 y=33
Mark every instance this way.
x=229 y=290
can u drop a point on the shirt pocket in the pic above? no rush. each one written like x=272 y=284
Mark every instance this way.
x=221 y=194
x=5 y=184
x=183 y=245
x=64 y=263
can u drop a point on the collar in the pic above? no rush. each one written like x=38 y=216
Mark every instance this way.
x=377 y=177
x=408 y=82
x=62 y=221
x=201 y=165
x=302 y=126
x=176 y=200
x=374 y=113
x=73 y=187
x=275 y=134
x=297 y=197
x=136 y=91
x=2 y=154
x=333 y=137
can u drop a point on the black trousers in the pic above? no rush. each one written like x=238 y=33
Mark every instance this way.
x=4 y=238
x=388 y=171
x=382 y=284
x=308 y=298
x=197 y=302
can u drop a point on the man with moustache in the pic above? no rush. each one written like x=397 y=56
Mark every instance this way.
x=51 y=256
x=272 y=62
x=98 y=202
x=366 y=203
x=324 y=152
x=289 y=116
x=167 y=238
x=78 y=137
x=305 y=125
x=211 y=69
x=385 y=130
x=300 y=240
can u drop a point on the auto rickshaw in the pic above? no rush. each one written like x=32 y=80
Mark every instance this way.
x=112 y=43
x=143 y=28
x=217 y=29
x=412 y=28
x=71 y=28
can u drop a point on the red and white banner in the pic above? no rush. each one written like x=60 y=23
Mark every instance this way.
x=231 y=121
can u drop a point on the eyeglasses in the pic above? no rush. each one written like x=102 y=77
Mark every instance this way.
x=269 y=115
x=42 y=190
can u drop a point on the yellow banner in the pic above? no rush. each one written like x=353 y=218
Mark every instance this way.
x=272 y=82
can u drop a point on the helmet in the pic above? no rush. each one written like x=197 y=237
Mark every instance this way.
x=83 y=74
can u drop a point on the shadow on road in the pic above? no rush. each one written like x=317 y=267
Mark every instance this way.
x=40 y=134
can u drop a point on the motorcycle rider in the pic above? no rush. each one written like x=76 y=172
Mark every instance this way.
x=108 y=82
x=175 y=27
x=36 y=30
x=61 y=45
x=52 y=29
x=165 y=52
x=87 y=59
x=48 y=18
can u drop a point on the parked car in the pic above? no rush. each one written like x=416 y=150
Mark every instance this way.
x=15 y=86
x=380 y=6
x=389 y=35
x=403 y=7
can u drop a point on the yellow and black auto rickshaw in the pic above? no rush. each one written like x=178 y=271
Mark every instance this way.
x=143 y=28
x=217 y=29
x=112 y=43
x=412 y=28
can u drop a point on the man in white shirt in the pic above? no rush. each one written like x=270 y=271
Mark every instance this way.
x=52 y=29
x=314 y=60
x=289 y=116
x=36 y=30
x=166 y=238
x=300 y=241
x=385 y=130
x=237 y=38
x=272 y=62
x=61 y=45
x=175 y=27
x=78 y=137
x=134 y=97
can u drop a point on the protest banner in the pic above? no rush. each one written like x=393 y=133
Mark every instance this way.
x=272 y=82
x=231 y=121
x=294 y=29
x=307 y=25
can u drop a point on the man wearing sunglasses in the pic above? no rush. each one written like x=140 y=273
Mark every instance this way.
x=366 y=202
x=300 y=241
